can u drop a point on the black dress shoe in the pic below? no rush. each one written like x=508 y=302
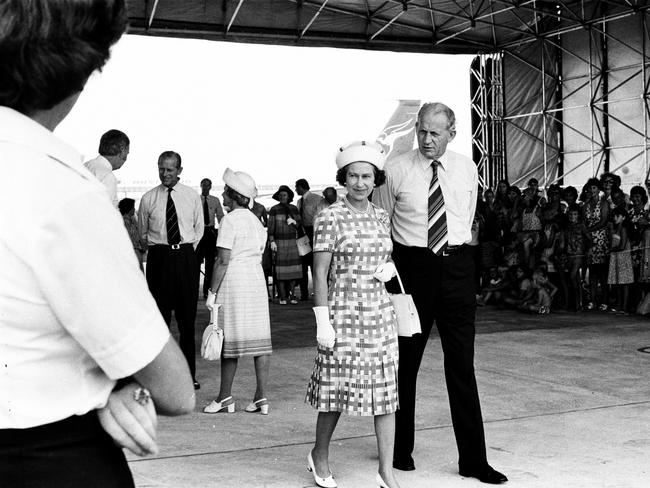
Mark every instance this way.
x=404 y=464
x=485 y=475
x=197 y=385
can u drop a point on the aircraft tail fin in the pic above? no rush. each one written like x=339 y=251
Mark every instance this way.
x=398 y=135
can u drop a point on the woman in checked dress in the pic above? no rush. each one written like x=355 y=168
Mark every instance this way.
x=355 y=369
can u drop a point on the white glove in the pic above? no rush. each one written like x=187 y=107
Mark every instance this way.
x=274 y=247
x=211 y=301
x=290 y=221
x=385 y=271
x=325 y=334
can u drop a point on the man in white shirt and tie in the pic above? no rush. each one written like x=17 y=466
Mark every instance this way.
x=113 y=150
x=170 y=220
x=430 y=195
x=207 y=248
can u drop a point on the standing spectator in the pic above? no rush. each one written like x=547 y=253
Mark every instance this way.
x=355 y=370
x=329 y=197
x=500 y=196
x=532 y=190
x=308 y=206
x=595 y=214
x=238 y=285
x=65 y=259
x=574 y=241
x=620 y=260
x=207 y=247
x=530 y=228
x=127 y=209
x=260 y=212
x=170 y=218
x=113 y=150
x=552 y=211
x=640 y=234
x=436 y=266
x=267 y=256
x=284 y=220
x=570 y=196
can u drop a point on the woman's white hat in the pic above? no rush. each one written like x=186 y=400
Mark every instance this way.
x=242 y=183
x=361 y=151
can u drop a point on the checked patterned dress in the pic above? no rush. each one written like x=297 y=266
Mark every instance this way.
x=358 y=375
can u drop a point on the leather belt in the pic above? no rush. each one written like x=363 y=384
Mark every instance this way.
x=453 y=250
x=175 y=247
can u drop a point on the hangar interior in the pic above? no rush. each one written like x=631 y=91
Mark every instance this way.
x=559 y=88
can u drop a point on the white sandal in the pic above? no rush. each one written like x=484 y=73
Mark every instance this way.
x=216 y=407
x=261 y=405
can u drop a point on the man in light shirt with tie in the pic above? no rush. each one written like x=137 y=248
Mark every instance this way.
x=308 y=205
x=430 y=195
x=113 y=150
x=170 y=220
x=207 y=248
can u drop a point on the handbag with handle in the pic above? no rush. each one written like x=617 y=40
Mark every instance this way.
x=408 y=320
x=212 y=342
x=304 y=247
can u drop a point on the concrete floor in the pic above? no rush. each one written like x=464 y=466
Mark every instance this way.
x=565 y=397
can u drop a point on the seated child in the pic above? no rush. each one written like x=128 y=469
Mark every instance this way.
x=518 y=290
x=494 y=283
x=540 y=294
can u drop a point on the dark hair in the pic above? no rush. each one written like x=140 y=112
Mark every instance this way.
x=619 y=210
x=342 y=173
x=593 y=182
x=641 y=191
x=302 y=183
x=113 y=142
x=241 y=200
x=570 y=190
x=206 y=179
x=533 y=180
x=616 y=180
x=126 y=205
x=170 y=154
x=49 y=49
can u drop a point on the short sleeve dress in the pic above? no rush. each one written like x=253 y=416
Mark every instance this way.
x=244 y=312
x=358 y=375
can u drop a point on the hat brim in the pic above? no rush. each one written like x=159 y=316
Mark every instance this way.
x=232 y=180
x=276 y=195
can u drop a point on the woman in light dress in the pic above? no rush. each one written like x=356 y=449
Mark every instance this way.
x=239 y=286
x=355 y=369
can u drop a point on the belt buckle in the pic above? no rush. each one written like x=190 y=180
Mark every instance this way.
x=449 y=251
x=176 y=246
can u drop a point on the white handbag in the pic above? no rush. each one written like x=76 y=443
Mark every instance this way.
x=304 y=247
x=212 y=342
x=408 y=320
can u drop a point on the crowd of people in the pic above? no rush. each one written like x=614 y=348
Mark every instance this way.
x=564 y=248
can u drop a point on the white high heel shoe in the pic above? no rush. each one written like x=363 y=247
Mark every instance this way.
x=380 y=481
x=261 y=406
x=216 y=407
x=322 y=482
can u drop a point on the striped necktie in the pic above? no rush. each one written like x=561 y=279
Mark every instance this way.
x=173 y=232
x=437 y=241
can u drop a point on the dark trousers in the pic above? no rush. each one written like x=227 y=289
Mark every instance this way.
x=172 y=276
x=70 y=453
x=207 y=249
x=443 y=291
x=307 y=262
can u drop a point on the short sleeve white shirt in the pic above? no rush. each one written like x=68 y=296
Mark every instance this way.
x=75 y=310
x=101 y=169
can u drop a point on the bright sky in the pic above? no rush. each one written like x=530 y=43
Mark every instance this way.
x=279 y=113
